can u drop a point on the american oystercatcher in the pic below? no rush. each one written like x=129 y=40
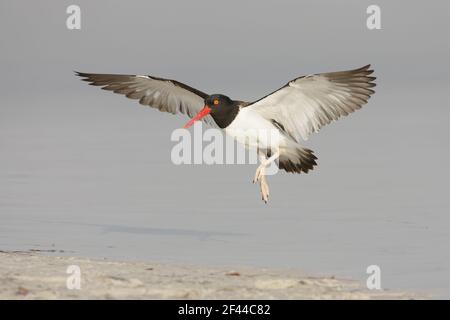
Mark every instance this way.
x=296 y=110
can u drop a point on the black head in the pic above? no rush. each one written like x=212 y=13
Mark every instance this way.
x=223 y=109
x=217 y=101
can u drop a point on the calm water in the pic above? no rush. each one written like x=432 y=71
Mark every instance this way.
x=91 y=175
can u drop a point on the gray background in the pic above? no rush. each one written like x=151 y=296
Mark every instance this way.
x=89 y=172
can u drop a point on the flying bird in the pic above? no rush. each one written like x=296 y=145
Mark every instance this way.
x=294 y=111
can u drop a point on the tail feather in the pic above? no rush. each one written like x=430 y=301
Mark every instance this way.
x=297 y=160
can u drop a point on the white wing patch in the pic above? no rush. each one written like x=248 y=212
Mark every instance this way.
x=308 y=103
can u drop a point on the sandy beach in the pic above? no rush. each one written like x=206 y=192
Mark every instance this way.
x=27 y=275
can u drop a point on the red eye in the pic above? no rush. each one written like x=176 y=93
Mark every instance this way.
x=216 y=102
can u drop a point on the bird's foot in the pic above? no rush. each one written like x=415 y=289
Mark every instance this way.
x=261 y=178
x=259 y=173
x=264 y=188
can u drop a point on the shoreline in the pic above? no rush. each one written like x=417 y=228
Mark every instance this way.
x=30 y=275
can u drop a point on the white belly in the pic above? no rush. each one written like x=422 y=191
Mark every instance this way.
x=252 y=130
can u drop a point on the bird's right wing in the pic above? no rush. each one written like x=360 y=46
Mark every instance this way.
x=162 y=94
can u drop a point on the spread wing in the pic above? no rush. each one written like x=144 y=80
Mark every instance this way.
x=162 y=94
x=306 y=104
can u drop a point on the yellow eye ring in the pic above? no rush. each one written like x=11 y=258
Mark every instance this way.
x=216 y=102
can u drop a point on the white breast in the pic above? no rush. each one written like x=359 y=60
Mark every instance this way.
x=251 y=129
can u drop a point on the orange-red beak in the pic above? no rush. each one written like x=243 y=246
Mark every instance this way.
x=202 y=113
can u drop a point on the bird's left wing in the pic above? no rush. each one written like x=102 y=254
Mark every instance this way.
x=163 y=94
x=306 y=104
